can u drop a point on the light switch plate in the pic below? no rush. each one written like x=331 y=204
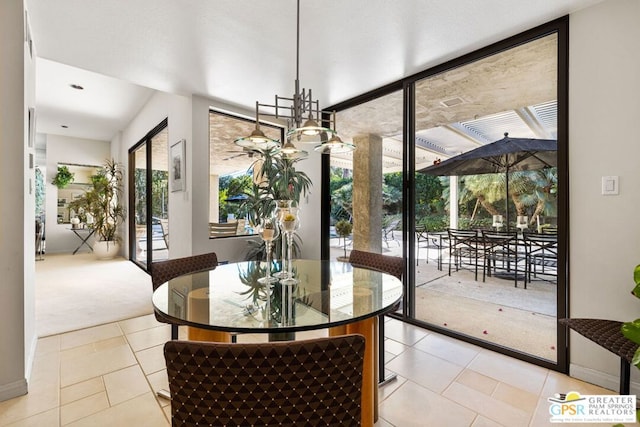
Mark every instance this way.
x=610 y=185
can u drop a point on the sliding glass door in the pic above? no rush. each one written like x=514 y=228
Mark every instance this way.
x=479 y=286
x=472 y=286
x=149 y=197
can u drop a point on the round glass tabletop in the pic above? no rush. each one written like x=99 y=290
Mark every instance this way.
x=230 y=298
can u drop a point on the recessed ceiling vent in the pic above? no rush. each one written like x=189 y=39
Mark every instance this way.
x=452 y=102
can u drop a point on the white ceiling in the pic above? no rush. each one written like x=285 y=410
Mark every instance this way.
x=241 y=51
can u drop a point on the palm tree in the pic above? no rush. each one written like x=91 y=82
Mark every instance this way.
x=527 y=189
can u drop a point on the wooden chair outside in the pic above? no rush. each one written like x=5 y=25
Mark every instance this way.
x=310 y=382
x=223 y=229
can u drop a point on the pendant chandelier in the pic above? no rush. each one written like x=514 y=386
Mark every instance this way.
x=302 y=114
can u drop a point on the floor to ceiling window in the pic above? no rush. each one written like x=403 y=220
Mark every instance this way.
x=366 y=185
x=504 y=296
x=458 y=285
x=149 y=197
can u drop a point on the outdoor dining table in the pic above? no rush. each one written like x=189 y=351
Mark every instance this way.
x=328 y=295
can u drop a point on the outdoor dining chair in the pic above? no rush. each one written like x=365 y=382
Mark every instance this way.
x=541 y=255
x=501 y=251
x=163 y=271
x=311 y=382
x=463 y=244
x=223 y=229
x=387 y=232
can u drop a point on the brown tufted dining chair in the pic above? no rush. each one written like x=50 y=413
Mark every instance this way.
x=163 y=271
x=311 y=382
x=387 y=264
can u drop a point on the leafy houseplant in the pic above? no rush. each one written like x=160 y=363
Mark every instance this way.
x=279 y=180
x=631 y=330
x=103 y=202
x=64 y=177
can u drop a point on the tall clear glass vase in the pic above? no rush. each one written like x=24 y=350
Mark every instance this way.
x=268 y=231
x=283 y=207
x=289 y=223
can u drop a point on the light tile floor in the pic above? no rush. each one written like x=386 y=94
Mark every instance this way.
x=108 y=375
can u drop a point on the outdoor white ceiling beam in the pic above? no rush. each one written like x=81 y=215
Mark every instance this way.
x=530 y=119
x=464 y=132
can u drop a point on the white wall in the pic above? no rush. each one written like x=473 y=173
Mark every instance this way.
x=604 y=108
x=17 y=237
x=63 y=149
x=228 y=249
x=178 y=111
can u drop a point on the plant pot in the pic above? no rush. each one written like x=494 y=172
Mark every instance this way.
x=106 y=249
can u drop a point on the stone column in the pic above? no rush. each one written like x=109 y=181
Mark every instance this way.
x=367 y=193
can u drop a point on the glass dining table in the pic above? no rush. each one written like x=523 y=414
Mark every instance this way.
x=329 y=295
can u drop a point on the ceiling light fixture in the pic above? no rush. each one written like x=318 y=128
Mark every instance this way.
x=335 y=145
x=301 y=113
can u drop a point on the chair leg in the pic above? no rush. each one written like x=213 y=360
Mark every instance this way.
x=174 y=332
x=625 y=373
x=382 y=380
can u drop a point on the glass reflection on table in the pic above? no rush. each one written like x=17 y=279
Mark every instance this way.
x=231 y=298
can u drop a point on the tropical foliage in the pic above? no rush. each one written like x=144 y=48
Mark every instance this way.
x=631 y=330
x=531 y=193
x=232 y=186
x=277 y=179
x=159 y=196
x=103 y=201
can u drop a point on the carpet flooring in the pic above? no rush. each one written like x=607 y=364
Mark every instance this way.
x=79 y=291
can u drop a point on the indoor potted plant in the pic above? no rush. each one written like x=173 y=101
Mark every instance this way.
x=63 y=177
x=103 y=203
x=279 y=181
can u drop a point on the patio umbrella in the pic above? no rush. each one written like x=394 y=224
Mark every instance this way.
x=502 y=156
x=236 y=198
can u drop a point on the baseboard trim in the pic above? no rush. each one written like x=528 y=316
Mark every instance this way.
x=14 y=389
x=602 y=379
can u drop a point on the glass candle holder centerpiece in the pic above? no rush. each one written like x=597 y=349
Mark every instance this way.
x=289 y=223
x=283 y=207
x=268 y=232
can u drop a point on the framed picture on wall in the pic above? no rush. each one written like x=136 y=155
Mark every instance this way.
x=177 y=166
